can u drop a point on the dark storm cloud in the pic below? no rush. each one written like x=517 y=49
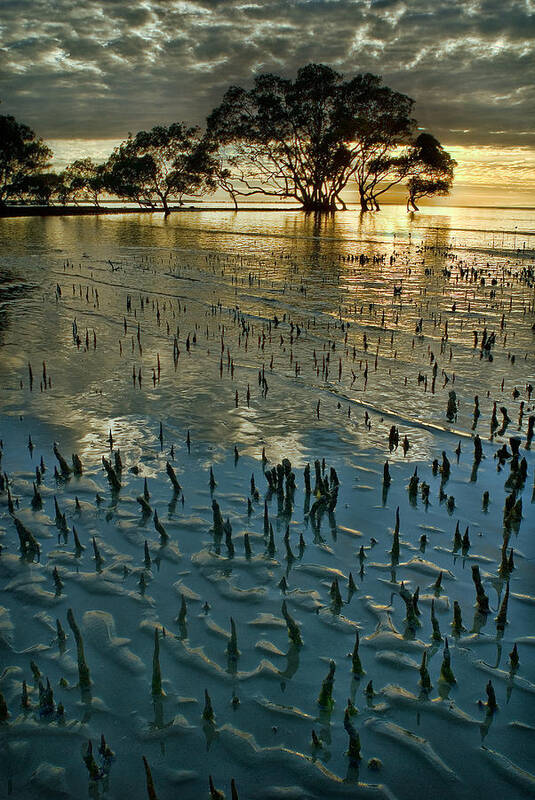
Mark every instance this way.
x=99 y=68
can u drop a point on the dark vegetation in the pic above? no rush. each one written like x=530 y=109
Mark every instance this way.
x=306 y=140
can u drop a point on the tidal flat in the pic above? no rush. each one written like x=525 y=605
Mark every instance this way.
x=267 y=505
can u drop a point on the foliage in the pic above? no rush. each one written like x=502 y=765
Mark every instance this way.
x=307 y=139
x=22 y=155
x=85 y=180
x=424 y=165
x=432 y=171
x=159 y=165
x=39 y=187
x=283 y=138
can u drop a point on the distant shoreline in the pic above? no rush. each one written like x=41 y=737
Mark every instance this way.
x=59 y=211
x=70 y=211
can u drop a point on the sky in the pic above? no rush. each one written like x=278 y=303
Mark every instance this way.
x=94 y=70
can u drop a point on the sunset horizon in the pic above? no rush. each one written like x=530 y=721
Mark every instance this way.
x=511 y=168
x=93 y=73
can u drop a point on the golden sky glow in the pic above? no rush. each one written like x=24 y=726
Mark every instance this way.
x=487 y=165
x=485 y=174
x=93 y=71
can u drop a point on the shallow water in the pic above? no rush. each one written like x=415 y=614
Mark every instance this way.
x=233 y=291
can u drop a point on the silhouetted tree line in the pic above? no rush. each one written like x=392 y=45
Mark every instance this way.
x=306 y=140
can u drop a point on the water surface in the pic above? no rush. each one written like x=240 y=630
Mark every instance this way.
x=308 y=339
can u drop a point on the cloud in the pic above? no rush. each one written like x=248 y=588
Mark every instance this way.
x=101 y=68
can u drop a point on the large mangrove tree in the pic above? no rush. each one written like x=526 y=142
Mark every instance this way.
x=314 y=137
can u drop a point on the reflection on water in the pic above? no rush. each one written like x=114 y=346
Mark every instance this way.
x=203 y=340
x=358 y=287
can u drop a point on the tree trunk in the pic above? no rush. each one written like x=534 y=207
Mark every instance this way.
x=319 y=207
x=317 y=201
x=411 y=202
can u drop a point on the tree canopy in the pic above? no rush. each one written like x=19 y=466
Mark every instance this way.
x=432 y=170
x=161 y=164
x=84 y=180
x=308 y=139
x=39 y=188
x=22 y=155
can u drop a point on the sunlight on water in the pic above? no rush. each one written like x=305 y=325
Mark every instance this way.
x=200 y=341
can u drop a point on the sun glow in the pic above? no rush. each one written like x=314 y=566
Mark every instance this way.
x=484 y=175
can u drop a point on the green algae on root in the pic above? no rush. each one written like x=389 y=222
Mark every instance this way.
x=145 y=507
x=24 y=698
x=437 y=636
x=353 y=751
x=457 y=622
x=146 y=555
x=160 y=528
x=113 y=477
x=78 y=546
x=77 y=464
x=181 y=619
x=37 y=500
x=325 y=698
x=446 y=673
x=232 y=647
x=491 y=697
x=316 y=742
x=89 y=760
x=437 y=586
x=65 y=469
x=4 y=713
x=513 y=657
x=481 y=597
x=336 y=596
x=212 y=481
x=215 y=794
x=58 y=583
x=293 y=629
x=172 y=477
x=217 y=518
x=457 y=539
x=501 y=619
x=271 y=542
x=411 y=608
x=395 y=542
x=356 y=665
x=156 y=684
x=28 y=543
x=208 y=711
x=98 y=558
x=151 y=791
x=84 y=677
x=425 y=680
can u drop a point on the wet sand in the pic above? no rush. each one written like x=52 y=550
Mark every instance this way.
x=204 y=344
